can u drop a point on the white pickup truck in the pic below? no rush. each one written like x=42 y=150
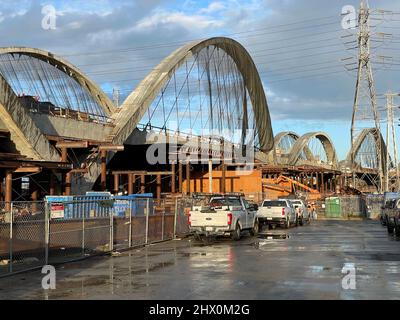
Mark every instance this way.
x=224 y=215
x=277 y=212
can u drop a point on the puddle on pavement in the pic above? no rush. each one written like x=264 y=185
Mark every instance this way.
x=273 y=236
x=316 y=269
x=153 y=267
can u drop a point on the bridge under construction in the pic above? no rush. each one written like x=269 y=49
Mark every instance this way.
x=198 y=122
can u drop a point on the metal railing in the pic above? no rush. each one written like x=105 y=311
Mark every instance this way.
x=34 y=234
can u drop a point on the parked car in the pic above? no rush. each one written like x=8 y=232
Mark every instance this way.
x=303 y=216
x=391 y=212
x=389 y=202
x=277 y=212
x=224 y=215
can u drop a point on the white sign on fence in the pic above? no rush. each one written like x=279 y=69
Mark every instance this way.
x=56 y=210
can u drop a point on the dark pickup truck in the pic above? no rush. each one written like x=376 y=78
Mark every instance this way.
x=391 y=215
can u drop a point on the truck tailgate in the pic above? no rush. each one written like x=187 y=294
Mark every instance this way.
x=270 y=212
x=206 y=219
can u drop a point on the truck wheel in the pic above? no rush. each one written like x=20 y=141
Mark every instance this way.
x=255 y=229
x=236 y=233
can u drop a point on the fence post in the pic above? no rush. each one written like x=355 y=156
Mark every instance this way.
x=175 y=216
x=83 y=234
x=47 y=231
x=162 y=221
x=147 y=220
x=111 y=230
x=11 y=239
x=130 y=223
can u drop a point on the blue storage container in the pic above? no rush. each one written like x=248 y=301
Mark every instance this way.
x=137 y=203
x=92 y=206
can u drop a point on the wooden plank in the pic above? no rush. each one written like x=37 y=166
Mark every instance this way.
x=146 y=173
x=72 y=144
x=28 y=170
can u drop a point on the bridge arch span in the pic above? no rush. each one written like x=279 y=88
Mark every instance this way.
x=301 y=146
x=138 y=102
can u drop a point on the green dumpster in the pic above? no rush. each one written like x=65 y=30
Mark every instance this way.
x=333 y=208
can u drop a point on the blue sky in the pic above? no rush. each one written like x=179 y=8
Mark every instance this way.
x=297 y=46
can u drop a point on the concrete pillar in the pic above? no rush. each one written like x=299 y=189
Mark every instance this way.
x=116 y=183
x=223 y=179
x=187 y=177
x=158 y=187
x=173 y=176
x=68 y=177
x=322 y=183
x=34 y=196
x=130 y=183
x=210 y=177
x=8 y=191
x=64 y=154
x=180 y=178
x=103 y=175
x=142 y=183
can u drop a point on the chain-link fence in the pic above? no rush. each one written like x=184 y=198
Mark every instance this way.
x=33 y=234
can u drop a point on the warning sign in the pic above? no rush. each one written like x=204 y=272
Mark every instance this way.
x=57 y=210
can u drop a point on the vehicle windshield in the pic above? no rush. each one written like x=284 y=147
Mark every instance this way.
x=274 y=203
x=225 y=202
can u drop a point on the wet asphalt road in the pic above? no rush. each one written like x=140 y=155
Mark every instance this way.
x=300 y=263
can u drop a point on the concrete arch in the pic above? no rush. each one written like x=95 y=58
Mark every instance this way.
x=361 y=138
x=26 y=136
x=302 y=143
x=278 y=138
x=136 y=104
x=101 y=98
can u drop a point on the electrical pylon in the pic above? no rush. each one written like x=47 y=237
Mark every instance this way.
x=392 y=180
x=365 y=111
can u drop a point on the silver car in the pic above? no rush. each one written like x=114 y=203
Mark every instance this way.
x=303 y=216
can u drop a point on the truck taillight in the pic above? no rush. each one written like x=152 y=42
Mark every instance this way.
x=229 y=219
x=283 y=211
x=189 y=221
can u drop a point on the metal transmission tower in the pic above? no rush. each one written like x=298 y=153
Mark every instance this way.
x=365 y=112
x=392 y=180
x=116 y=96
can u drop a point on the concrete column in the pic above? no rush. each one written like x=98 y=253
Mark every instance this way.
x=180 y=178
x=68 y=177
x=34 y=196
x=322 y=183
x=103 y=176
x=173 y=176
x=8 y=191
x=142 y=183
x=64 y=154
x=187 y=177
x=158 y=188
x=116 y=183
x=130 y=183
x=223 y=179
x=210 y=177
x=64 y=158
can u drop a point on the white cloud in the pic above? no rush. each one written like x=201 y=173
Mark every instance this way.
x=213 y=7
x=166 y=18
